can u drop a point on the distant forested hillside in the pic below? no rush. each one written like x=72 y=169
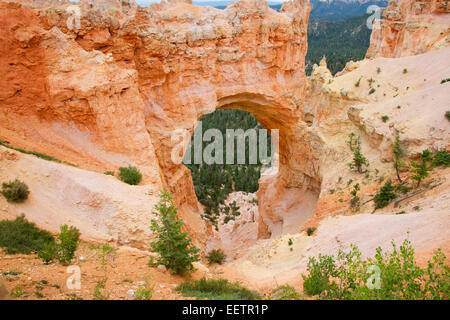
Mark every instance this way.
x=338 y=10
x=213 y=183
x=340 y=41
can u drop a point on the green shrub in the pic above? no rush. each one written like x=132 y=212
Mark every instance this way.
x=384 y=118
x=130 y=175
x=398 y=152
x=48 y=253
x=445 y=80
x=15 y=191
x=421 y=169
x=21 y=236
x=372 y=90
x=216 y=256
x=386 y=276
x=310 y=231
x=68 y=239
x=358 y=158
x=405 y=71
x=355 y=200
x=358 y=82
x=216 y=289
x=110 y=173
x=144 y=292
x=285 y=293
x=385 y=195
x=441 y=158
x=174 y=247
x=447 y=115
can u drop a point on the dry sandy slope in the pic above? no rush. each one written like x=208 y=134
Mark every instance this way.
x=271 y=262
x=101 y=206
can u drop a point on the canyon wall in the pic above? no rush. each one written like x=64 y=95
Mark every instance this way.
x=104 y=84
x=410 y=27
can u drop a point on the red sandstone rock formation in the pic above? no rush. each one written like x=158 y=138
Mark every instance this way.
x=411 y=27
x=105 y=84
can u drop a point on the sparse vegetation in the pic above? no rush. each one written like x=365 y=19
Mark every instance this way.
x=174 y=247
x=355 y=200
x=144 y=292
x=372 y=90
x=441 y=158
x=216 y=289
x=421 y=169
x=34 y=153
x=398 y=152
x=385 y=195
x=216 y=256
x=15 y=191
x=110 y=173
x=386 y=276
x=21 y=236
x=358 y=159
x=67 y=244
x=385 y=119
x=447 y=115
x=17 y=292
x=358 y=82
x=130 y=175
x=378 y=70
x=405 y=71
x=310 y=231
x=445 y=80
x=285 y=293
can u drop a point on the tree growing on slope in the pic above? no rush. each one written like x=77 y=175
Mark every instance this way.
x=174 y=247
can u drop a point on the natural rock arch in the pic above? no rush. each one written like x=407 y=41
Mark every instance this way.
x=116 y=88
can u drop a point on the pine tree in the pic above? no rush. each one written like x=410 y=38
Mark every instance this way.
x=385 y=195
x=398 y=152
x=421 y=169
x=174 y=247
x=358 y=158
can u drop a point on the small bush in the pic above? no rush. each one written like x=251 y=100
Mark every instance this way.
x=386 y=276
x=21 y=236
x=144 y=292
x=372 y=90
x=385 y=118
x=67 y=244
x=441 y=158
x=285 y=293
x=130 y=175
x=358 y=82
x=48 y=253
x=445 y=80
x=110 y=173
x=310 y=231
x=385 y=195
x=447 y=115
x=15 y=191
x=421 y=169
x=405 y=71
x=216 y=289
x=216 y=256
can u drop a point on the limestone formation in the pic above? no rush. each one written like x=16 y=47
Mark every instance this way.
x=105 y=84
x=411 y=27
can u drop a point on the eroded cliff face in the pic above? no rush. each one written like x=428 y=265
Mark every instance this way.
x=409 y=28
x=104 y=84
